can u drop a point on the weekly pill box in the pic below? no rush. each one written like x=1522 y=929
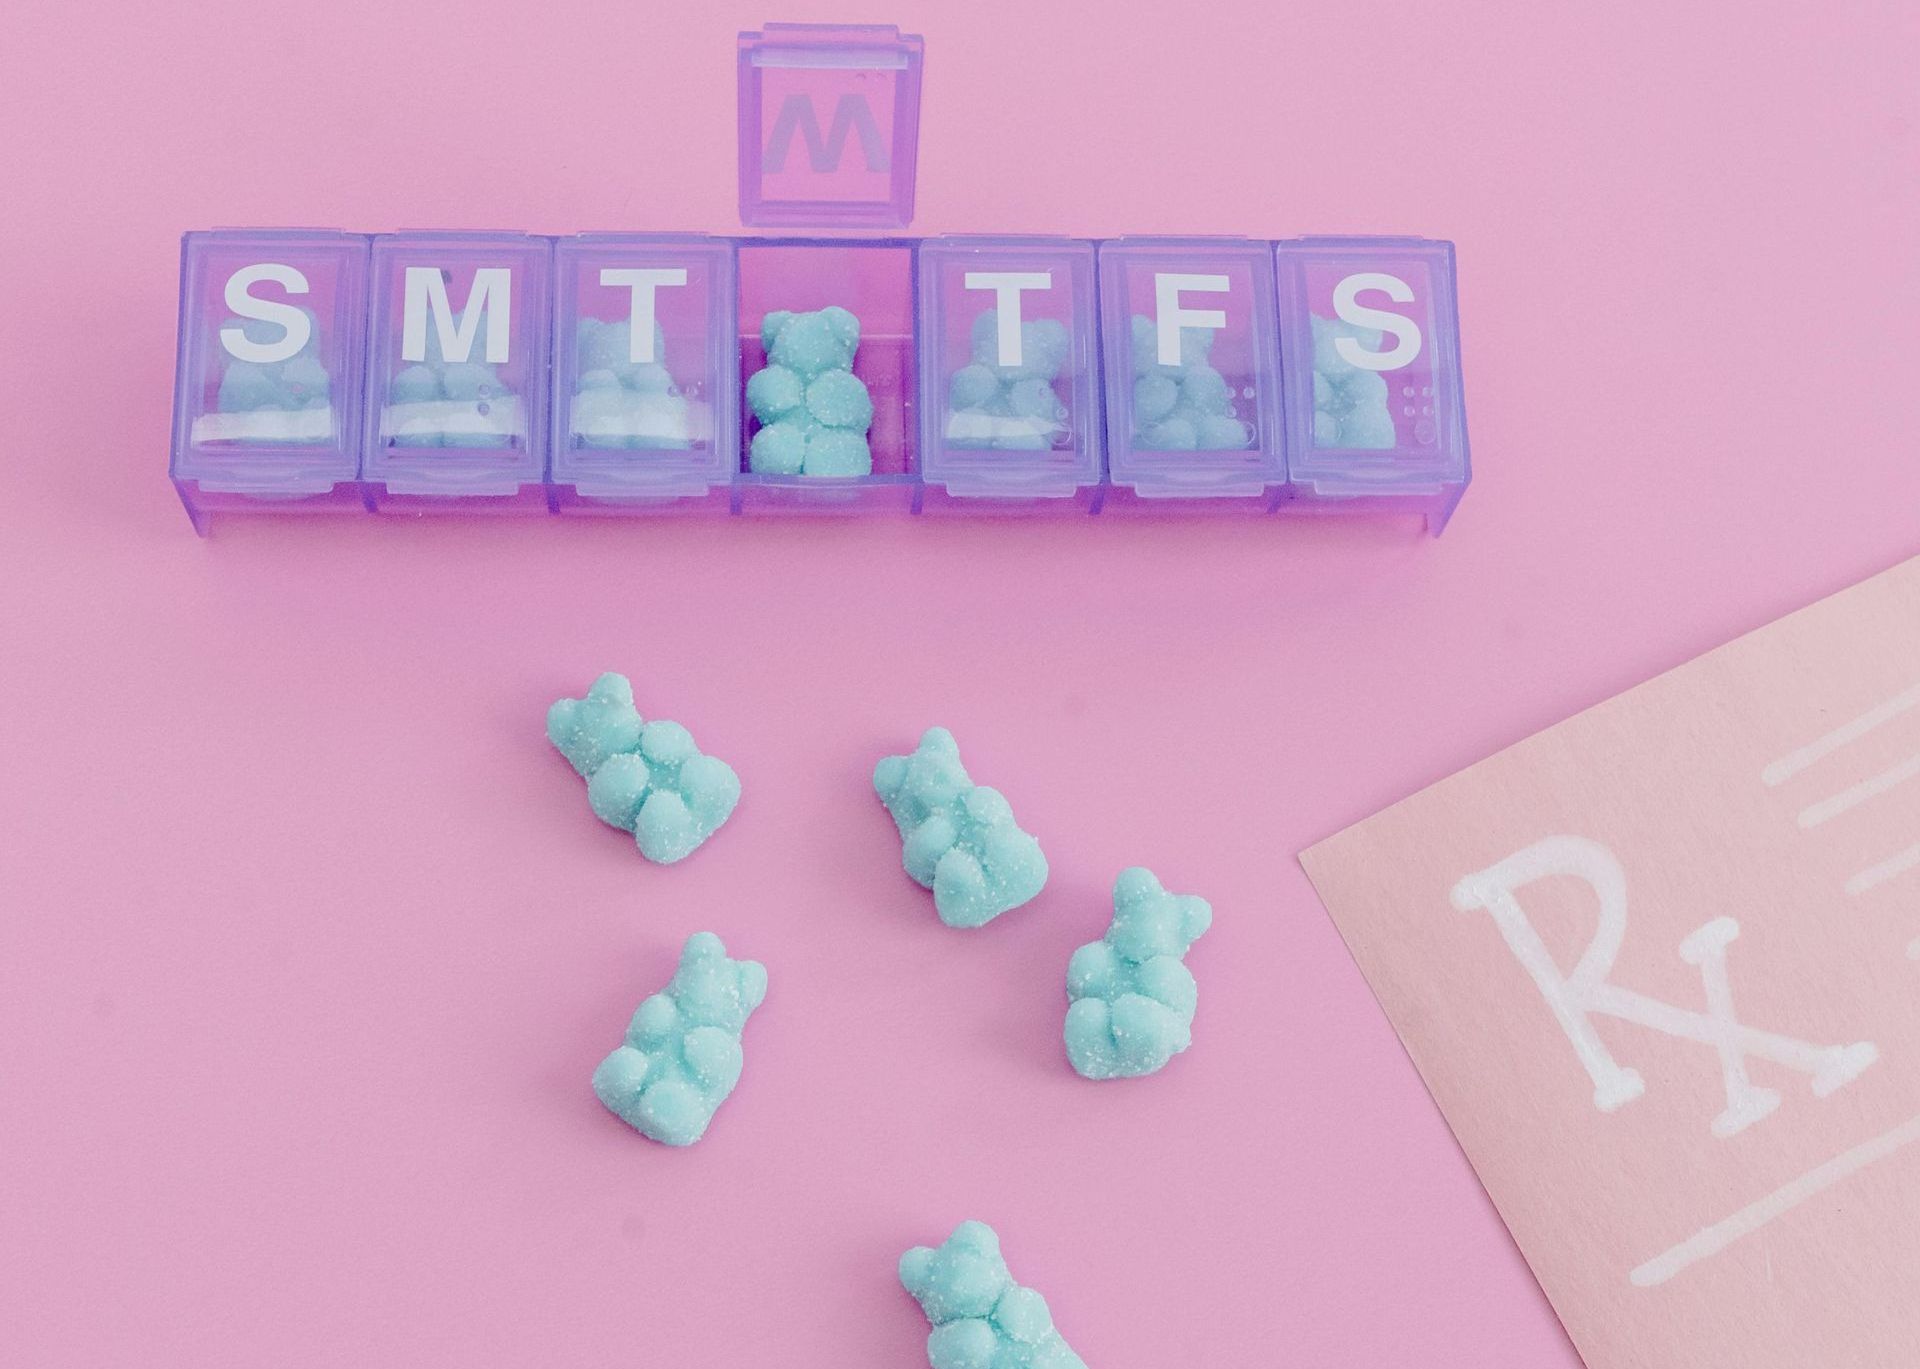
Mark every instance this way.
x=604 y=373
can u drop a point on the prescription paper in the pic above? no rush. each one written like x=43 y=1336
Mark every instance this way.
x=1660 y=967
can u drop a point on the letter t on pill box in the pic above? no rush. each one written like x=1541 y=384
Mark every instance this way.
x=1370 y=339
x=267 y=398
x=457 y=381
x=1009 y=379
x=646 y=373
x=829 y=125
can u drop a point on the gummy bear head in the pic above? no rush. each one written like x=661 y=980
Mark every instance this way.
x=1148 y=921
x=935 y=774
x=587 y=731
x=812 y=343
x=965 y=1277
x=712 y=990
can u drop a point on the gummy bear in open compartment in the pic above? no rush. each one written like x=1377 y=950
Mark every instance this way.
x=268 y=391
x=1190 y=352
x=827 y=356
x=457 y=381
x=645 y=399
x=1376 y=417
x=1009 y=388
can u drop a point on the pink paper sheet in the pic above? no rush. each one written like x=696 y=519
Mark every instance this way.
x=1660 y=967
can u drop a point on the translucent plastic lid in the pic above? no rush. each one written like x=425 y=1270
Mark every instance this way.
x=829 y=125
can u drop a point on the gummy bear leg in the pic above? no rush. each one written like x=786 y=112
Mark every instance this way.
x=665 y=830
x=672 y=1113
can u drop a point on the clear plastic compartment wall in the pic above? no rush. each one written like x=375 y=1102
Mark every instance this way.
x=676 y=373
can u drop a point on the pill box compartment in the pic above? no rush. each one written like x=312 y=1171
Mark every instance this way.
x=1376 y=416
x=1010 y=417
x=458 y=382
x=267 y=394
x=1191 y=364
x=829 y=125
x=873 y=279
x=645 y=400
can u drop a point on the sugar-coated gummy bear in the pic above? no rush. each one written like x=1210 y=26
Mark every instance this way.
x=682 y=1054
x=287 y=401
x=1130 y=997
x=1350 y=404
x=1184 y=406
x=622 y=403
x=813 y=410
x=958 y=839
x=981 y=1318
x=442 y=403
x=1012 y=407
x=647 y=778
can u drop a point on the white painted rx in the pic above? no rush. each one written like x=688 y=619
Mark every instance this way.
x=1587 y=992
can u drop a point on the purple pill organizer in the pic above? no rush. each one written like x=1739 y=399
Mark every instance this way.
x=605 y=373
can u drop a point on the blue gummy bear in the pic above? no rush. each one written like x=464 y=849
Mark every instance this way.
x=958 y=839
x=1044 y=344
x=1131 y=1000
x=265 y=389
x=813 y=411
x=809 y=344
x=981 y=1318
x=1183 y=407
x=619 y=403
x=441 y=403
x=839 y=399
x=1009 y=408
x=682 y=1053
x=1350 y=403
x=647 y=778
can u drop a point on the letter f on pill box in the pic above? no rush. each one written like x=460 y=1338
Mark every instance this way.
x=267 y=398
x=829 y=125
x=1370 y=339
x=1190 y=352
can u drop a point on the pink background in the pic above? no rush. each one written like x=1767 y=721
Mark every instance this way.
x=308 y=945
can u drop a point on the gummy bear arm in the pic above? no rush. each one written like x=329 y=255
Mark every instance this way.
x=654 y=1021
x=1196 y=916
x=915 y=1267
x=1022 y=1313
x=753 y=984
x=1090 y=974
x=1165 y=980
x=926 y=844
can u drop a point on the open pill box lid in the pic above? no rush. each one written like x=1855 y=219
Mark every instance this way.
x=829 y=125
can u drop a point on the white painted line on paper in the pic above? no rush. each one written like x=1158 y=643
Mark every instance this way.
x=1710 y=1241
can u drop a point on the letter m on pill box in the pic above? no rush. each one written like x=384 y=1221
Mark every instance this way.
x=829 y=125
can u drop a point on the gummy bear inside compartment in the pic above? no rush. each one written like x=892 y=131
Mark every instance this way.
x=1010 y=407
x=621 y=403
x=1360 y=409
x=441 y=401
x=1202 y=401
x=874 y=282
x=277 y=403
